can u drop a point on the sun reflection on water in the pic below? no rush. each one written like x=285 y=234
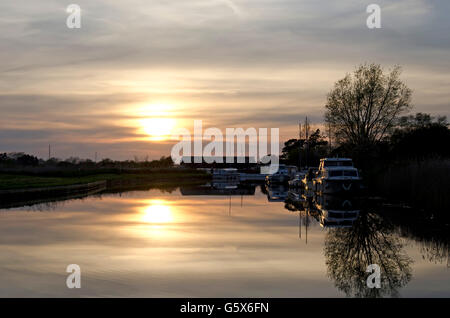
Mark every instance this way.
x=157 y=212
x=155 y=219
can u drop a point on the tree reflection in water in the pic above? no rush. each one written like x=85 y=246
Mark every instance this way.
x=431 y=232
x=435 y=252
x=371 y=240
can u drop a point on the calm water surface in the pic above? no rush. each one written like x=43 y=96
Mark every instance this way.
x=165 y=244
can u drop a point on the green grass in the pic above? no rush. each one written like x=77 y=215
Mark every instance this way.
x=11 y=181
x=18 y=181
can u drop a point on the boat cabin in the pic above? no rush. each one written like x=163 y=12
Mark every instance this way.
x=349 y=172
x=335 y=162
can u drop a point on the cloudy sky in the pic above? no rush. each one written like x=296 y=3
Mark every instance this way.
x=140 y=66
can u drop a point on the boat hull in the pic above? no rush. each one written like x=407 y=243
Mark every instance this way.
x=339 y=186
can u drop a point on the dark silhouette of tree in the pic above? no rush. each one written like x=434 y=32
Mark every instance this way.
x=421 y=120
x=317 y=148
x=361 y=108
x=435 y=251
x=3 y=157
x=348 y=252
x=18 y=158
x=429 y=229
x=52 y=161
x=420 y=137
x=106 y=162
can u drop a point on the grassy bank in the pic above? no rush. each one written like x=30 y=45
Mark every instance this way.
x=32 y=179
x=422 y=184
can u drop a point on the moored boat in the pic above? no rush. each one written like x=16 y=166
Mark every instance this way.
x=283 y=175
x=335 y=212
x=276 y=193
x=336 y=176
x=296 y=181
x=227 y=175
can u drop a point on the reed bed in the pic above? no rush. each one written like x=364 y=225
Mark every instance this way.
x=424 y=184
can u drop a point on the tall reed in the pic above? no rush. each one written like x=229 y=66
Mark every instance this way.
x=424 y=184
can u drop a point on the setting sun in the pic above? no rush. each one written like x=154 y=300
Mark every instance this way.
x=158 y=128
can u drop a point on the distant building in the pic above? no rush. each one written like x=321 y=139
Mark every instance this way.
x=219 y=162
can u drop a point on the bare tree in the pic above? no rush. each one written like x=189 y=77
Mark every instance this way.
x=362 y=107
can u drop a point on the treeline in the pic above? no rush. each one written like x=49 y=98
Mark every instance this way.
x=412 y=138
x=420 y=137
x=305 y=152
x=22 y=160
x=415 y=138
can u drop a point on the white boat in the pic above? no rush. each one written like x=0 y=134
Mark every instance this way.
x=227 y=175
x=224 y=185
x=335 y=212
x=283 y=175
x=252 y=177
x=277 y=193
x=337 y=175
x=296 y=181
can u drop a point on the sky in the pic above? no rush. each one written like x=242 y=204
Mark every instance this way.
x=137 y=69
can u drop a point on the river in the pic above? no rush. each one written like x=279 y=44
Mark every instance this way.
x=201 y=243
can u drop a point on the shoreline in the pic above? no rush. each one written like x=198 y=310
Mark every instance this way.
x=55 y=189
x=16 y=189
x=29 y=182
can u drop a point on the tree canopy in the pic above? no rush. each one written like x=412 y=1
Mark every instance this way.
x=307 y=151
x=362 y=107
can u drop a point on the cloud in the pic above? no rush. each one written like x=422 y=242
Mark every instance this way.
x=236 y=10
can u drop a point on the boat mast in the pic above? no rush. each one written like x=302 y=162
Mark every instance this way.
x=299 y=145
x=306 y=139
x=300 y=224
x=329 y=137
x=306 y=226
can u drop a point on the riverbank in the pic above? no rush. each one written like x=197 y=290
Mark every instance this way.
x=17 y=180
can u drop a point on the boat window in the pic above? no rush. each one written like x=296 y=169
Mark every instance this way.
x=335 y=173
x=338 y=164
x=350 y=173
